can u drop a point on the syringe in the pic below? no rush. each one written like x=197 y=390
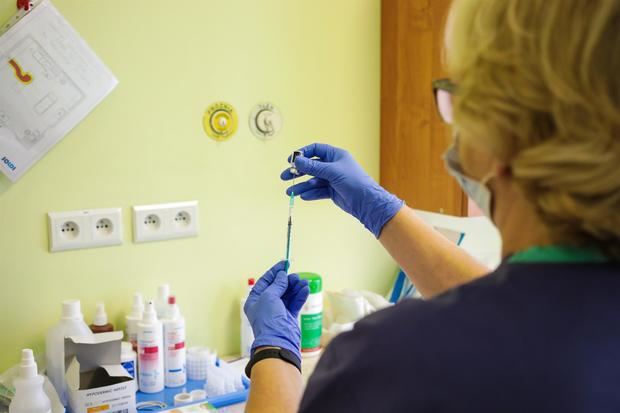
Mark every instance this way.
x=291 y=203
x=289 y=231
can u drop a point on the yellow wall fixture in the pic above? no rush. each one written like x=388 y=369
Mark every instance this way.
x=317 y=60
x=220 y=121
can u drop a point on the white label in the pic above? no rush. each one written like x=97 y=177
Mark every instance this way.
x=175 y=360
x=313 y=305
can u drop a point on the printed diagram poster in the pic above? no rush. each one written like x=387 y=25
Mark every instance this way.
x=50 y=80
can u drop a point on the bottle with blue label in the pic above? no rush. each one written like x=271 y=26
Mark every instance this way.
x=128 y=358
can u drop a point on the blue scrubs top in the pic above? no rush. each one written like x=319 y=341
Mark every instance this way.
x=530 y=337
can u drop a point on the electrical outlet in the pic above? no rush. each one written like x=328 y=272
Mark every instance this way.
x=84 y=229
x=165 y=221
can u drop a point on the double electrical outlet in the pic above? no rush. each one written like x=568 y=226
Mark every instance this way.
x=165 y=221
x=103 y=227
x=85 y=229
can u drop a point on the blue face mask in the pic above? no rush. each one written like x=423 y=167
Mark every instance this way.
x=479 y=192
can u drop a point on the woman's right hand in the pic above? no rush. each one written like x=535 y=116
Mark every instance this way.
x=337 y=176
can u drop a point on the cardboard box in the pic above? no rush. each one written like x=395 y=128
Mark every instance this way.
x=96 y=381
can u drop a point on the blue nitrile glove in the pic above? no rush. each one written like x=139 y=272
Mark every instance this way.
x=339 y=177
x=273 y=306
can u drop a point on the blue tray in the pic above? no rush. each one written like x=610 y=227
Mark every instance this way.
x=167 y=396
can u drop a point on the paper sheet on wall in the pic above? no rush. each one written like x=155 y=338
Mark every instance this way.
x=50 y=80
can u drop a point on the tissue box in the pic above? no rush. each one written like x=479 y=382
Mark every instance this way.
x=96 y=381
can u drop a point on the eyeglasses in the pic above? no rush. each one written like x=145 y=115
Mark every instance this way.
x=443 y=90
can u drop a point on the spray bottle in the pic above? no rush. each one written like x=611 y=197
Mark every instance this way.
x=247 y=335
x=150 y=352
x=174 y=343
x=29 y=394
x=132 y=320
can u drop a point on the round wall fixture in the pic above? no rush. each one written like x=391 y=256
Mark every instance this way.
x=265 y=121
x=220 y=121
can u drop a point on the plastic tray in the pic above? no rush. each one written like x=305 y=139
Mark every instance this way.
x=167 y=396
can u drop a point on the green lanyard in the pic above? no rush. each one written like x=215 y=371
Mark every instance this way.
x=558 y=253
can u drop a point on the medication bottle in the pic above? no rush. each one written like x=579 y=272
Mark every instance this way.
x=311 y=316
x=247 y=335
x=100 y=323
x=71 y=324
x=132 y=320
x=175 y=355
x=29 y=394
x=129 y=359
x=150 y=352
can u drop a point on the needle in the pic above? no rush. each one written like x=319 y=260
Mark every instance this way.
x=291 y=203
x=289 y=231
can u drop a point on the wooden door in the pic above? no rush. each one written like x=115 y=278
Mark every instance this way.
x=413 y=138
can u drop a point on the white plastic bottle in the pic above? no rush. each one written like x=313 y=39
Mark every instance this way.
x=247 y=335
x=161 y=303
x=29 y=394
x=150 y=352
x=71 y=324
x=132 y=320
x=129 y=359
x=175 y=355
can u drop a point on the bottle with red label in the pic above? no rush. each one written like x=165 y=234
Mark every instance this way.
x=175 y=354
x=150 y=352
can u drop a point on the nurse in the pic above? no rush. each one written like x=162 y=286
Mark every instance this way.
x=534 y=103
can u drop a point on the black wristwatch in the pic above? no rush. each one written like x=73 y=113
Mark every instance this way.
x=273 y=353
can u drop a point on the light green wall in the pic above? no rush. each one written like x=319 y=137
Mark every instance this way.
x=317 y=60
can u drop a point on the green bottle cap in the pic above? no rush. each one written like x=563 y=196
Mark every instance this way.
x=314 y=281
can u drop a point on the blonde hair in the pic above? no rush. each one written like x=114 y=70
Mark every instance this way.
x=539 y=84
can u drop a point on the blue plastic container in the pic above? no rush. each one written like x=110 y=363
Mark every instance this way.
x=167 y=396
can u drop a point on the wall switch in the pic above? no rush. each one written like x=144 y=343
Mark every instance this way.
x=165 y=221
x=84 y=229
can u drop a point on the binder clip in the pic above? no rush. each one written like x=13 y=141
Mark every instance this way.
x=24 y=4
